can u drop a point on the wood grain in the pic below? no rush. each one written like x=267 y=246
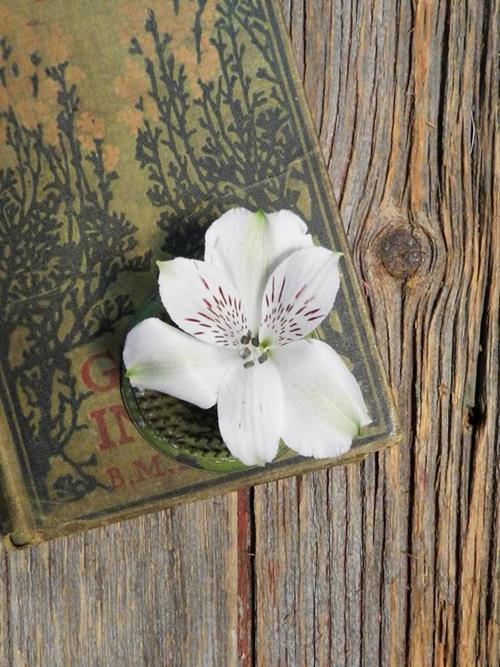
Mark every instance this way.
x=390 y=562
x=159 y=590
x=402 y=569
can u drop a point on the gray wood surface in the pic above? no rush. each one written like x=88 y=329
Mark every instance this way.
x=388 y=562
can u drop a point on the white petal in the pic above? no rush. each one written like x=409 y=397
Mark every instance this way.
x=324 y=407
x=250 y=408
x=249 y=246
x=203 y=301
x=299 y=295
x=160 y=357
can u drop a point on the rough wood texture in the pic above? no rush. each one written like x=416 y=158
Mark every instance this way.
x=391 y=562
x=156 y=591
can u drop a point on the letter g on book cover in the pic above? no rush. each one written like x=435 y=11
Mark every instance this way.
x=126 y=128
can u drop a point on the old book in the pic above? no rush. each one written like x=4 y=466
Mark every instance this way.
x=125 y=129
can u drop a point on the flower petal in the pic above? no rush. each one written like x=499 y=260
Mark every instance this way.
x=250 y=408
x=202 y=300
x=162 y=358
x=249 y=246
x=299 y=295
x=324 y=407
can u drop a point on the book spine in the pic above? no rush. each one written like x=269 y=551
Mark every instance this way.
x=16 y=522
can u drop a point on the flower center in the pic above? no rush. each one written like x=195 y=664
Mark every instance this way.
x=252 y=351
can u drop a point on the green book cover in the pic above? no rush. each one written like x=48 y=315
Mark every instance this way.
x=126 y=128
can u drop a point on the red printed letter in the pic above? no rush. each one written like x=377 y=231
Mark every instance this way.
x=154 y=469
x=115 y=477
x=99 y=416
x=98 y=377
x=120 y=418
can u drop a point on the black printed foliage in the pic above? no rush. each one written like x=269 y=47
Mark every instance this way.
x=63 y=246
x=230 y=142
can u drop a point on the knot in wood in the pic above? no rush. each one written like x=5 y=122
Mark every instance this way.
x=400 y=252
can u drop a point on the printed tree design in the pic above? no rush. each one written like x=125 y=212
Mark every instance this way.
x=230 y=143
x=62 y=248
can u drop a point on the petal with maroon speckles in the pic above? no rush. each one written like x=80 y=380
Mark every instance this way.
x=249 y=246
x=299 y=295
x=202 y=301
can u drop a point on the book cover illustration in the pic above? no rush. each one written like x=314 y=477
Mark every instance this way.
x=125 y=129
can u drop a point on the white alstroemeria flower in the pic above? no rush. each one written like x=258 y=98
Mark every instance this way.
x=244 y=314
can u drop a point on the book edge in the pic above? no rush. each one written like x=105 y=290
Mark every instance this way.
x=22 y=539
x=16 y=516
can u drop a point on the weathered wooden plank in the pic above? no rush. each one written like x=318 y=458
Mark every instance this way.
x=5 y=646
x=154 y=591
x=403 y=99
